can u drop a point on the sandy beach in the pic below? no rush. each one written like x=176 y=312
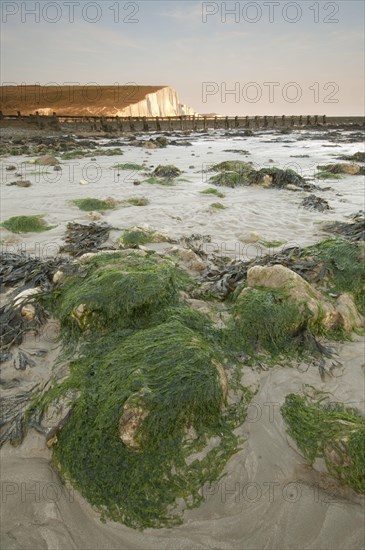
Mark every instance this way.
x=269 y=497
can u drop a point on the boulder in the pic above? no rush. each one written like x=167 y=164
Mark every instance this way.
x=297 y=290
x=134 y=413
x=350 y=317
x=47 y=160
x=190 y=260
x=250 y=237
x=28 y=312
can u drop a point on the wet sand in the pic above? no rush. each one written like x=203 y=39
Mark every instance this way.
x=269 y=497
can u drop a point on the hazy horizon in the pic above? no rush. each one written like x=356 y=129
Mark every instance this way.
x=261 y=58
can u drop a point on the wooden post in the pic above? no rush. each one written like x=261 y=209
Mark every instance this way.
x=131 y=125
x=324 y=119
x=226 y=124
x=308 y=120
x=236 y=123
x=205 y=123
x=158 y=125
x=145 y=124
x=19 y=114
x=300 y=120
x=283 y=120
x=1 y=115
x=170 y=123
x=316 y=120
x=215 y=123
x=247 y=122
x=274 y=121
x=265 y=121
x=292 y=120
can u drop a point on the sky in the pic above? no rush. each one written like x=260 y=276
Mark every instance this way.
x=230 y=58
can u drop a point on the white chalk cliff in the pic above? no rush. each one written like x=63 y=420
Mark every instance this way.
x=126 y=100
x=164 y=102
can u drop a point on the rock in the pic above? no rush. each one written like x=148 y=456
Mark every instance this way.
x=168 y=171
x=190 y=260
x=250 y=237
x=58 y=277
x=20 y=183
x=150 y=145
x=28 y=312
x=94 y=216
x=342 y=168
x=292 y=187
x=350 y=317
x=56 y=416
x=83 y=182
x=315 y=203
x=297 y=290
x=23 y=183
x=134 y=412
x=47 y=160
x=57 y=168
x=266 y=181
x=26 y=296
x=10 y=168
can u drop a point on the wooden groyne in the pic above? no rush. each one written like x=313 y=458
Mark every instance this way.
x=177 y=123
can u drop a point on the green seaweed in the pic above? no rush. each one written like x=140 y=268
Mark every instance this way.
x=159 y=181
x=129 y=166
x=172 y=373
x=325 y=175
x=218 y=206
x=27 y=224
x=89 y=205
x=137 y=201
x=213 y=191
x=264 y=320
x=120 y=291
x=342 y=263
x=331 y=431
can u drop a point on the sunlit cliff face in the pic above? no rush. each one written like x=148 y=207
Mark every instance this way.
x=93 y=100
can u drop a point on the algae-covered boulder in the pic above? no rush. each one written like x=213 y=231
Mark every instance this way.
x=141 y=235
x=47 y=160
x=237 y=173
x=330 y=431
x=118 y=291
x=126 y=443
x=265 y=320
x=315 y=307
x=342 y=168
x=297 y=290
x=168 y=172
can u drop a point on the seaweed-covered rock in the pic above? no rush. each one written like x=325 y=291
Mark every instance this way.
x=331 y=431
x=353 y=230
x=315 y=203
x=297 y=290
x=237 y=173
x=343 y=168
x=119 y=291
x=340 y=313
x=141 y=235
x=153 y=389
x=357 y=157
x=168 y=172
x=47 y=160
